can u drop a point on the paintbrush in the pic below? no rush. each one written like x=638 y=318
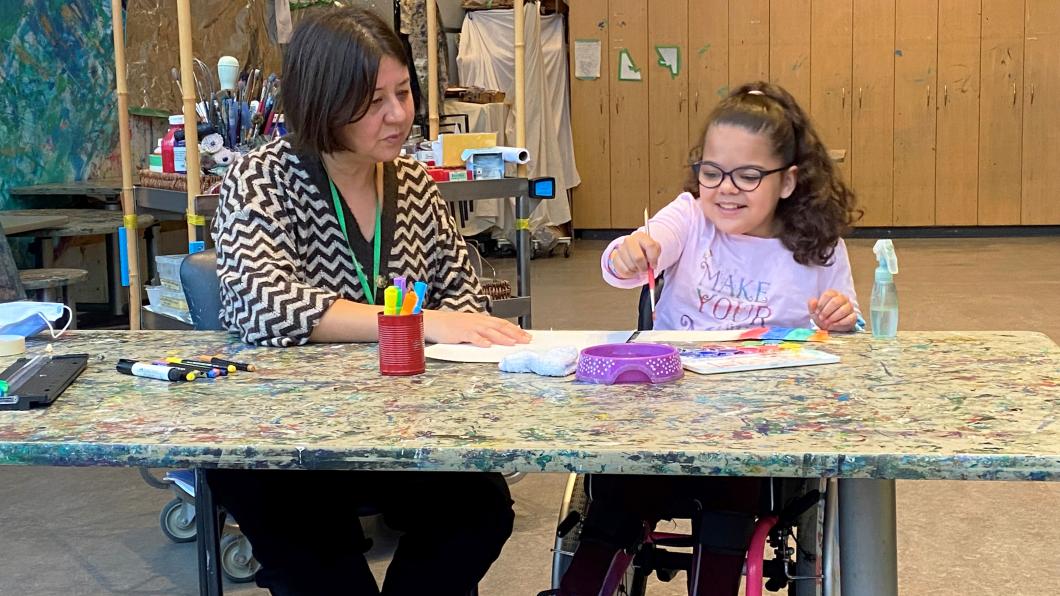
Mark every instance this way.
x=176 y=79
x=651 y=270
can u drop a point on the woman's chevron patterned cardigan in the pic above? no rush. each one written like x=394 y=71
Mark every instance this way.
x=283 y=260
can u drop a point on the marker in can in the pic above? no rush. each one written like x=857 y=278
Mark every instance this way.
x=154 y=371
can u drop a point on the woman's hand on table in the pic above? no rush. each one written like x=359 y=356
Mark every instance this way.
x=448 y=327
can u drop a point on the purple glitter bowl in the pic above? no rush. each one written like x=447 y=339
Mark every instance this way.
x=629 y=363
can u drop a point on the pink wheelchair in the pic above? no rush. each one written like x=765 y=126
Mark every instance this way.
x=799 y=525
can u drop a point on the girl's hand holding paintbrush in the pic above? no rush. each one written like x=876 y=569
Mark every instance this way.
x=637 y=253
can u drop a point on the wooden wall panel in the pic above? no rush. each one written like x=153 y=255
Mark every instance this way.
x=590 y=117
x=748 y=41
x=708 y=61
x=946 y=107
x=957 y=137
x=1041 y=115
x=872 y=129
x=667 y=103
x=789 y=47
x=831 y=72
x=915 y=88
x=629 y=108
x=1001 y=113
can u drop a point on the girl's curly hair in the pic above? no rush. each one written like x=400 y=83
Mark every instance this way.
x=822 y=208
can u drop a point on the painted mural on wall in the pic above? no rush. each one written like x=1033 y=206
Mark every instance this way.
x=57 y=120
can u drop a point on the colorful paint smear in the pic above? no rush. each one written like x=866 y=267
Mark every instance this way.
x=57 y=111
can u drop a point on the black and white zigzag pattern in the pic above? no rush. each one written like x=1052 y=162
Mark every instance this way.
x=283 y=260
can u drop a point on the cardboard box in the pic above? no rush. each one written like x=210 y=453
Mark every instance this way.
x=453 y=145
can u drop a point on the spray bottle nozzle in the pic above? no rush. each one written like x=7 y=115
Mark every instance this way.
x=885 y=255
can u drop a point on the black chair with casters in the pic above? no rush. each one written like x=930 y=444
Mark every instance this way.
x=202 y=290
x=215 y=535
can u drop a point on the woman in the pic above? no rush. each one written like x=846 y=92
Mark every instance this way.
x=291 y=273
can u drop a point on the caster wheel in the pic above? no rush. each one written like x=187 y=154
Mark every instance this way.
x=178 y=521
x=153 y=479
x=237 y=561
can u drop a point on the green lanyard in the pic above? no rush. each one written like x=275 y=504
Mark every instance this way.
x=369 y=289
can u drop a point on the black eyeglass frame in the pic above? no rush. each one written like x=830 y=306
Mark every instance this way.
x=761 y=174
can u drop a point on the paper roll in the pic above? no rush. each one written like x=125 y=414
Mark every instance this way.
x=517 y=155
x=12 y=344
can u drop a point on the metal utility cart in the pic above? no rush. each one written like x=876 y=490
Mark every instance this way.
x=169 y=204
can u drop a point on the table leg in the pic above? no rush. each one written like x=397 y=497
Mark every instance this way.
x=52 y=294
x=207 y=537
x=151 y=235
x=47 y=252
x=72 y=303
x=523 y=252
x=64 y=297
x=868 y=544
x=114 y=288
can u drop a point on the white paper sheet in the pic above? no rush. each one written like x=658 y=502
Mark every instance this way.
x=664 y=337
x=587 y=58
x=541 y=341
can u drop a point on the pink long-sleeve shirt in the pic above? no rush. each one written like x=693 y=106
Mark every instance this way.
x=715 y=280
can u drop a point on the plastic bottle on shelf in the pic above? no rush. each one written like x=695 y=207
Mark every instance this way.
x=174 y=153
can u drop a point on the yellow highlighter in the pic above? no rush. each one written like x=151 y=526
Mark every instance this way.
x=390 y=301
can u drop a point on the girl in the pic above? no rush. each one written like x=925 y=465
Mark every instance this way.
x=754 y=242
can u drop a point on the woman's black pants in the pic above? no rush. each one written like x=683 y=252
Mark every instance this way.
x=305 y=530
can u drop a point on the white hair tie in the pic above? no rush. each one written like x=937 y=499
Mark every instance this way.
x=755 y=92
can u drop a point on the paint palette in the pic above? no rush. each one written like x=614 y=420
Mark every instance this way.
x=785 y=334
x=713 y=359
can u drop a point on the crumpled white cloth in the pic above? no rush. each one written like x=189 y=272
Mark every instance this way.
x=557 y=362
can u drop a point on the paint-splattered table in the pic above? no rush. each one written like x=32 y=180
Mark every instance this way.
x=975 y=406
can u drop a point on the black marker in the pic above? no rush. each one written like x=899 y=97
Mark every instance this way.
x=154 y=371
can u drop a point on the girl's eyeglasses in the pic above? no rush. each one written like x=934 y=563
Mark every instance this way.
x=747 y=178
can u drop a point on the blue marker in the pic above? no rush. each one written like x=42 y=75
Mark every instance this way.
x=421 y=290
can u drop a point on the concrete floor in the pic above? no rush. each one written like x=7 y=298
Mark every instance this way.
x=95 y=531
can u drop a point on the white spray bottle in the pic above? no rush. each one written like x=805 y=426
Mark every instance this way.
x=883 y=309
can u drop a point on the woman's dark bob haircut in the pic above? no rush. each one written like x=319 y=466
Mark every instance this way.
x=329 y=73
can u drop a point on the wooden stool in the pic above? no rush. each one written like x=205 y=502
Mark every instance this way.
x=52 y=285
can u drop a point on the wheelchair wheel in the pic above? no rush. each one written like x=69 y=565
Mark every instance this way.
x=237 y=561
x=178 y=521
x=576 y=499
